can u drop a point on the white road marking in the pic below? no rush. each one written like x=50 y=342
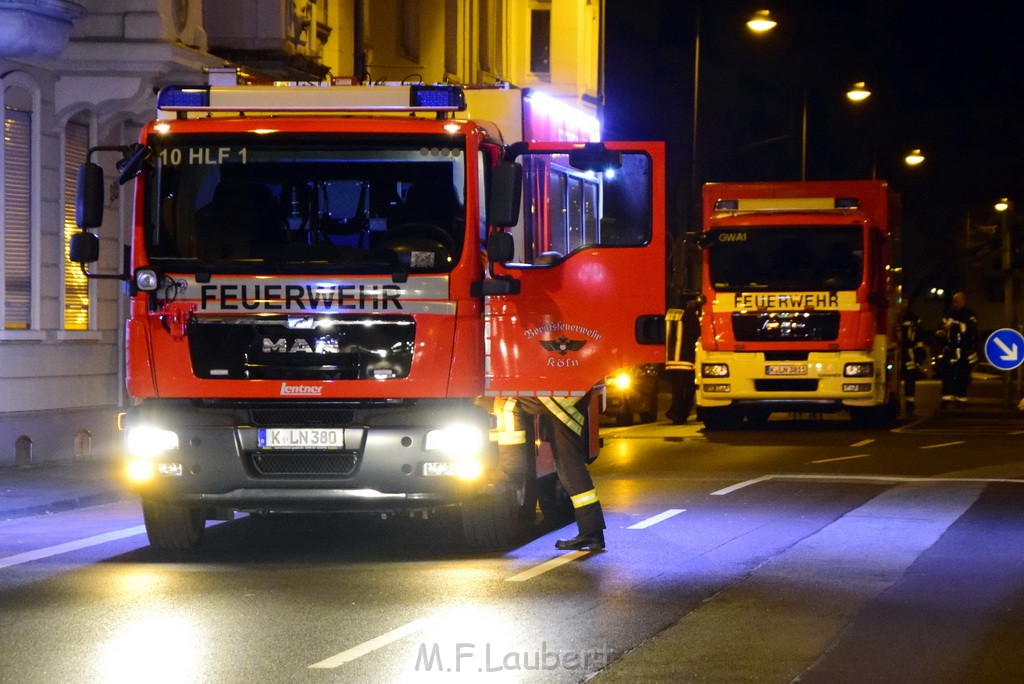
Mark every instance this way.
x=548 y=565
x=840 y=458
x=38 y=554
x=740 y=485
x=863 y=442
x=373 y=644
x=654 y=520
x=944 y=444
x=885 y=479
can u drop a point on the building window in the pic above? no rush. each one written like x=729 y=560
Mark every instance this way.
x=76 y=285
x=490 y=30
x=17 y=219
x=409 y=30
x=540 y=41
x=451 y=37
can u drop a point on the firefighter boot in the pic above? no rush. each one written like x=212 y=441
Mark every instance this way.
x=593 y=541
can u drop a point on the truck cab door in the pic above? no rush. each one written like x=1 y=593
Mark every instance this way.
x=588 y=267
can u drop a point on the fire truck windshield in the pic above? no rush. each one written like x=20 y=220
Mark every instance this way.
x=269 y=204
x=791 y=258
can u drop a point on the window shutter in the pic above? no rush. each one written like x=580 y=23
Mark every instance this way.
x=17 y=219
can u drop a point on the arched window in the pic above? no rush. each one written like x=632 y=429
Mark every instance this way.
x=77 y=302
x=19 y=211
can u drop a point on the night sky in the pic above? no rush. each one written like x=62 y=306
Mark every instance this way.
x=947 y=78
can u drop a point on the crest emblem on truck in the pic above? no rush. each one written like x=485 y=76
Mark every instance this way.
x=563 y=345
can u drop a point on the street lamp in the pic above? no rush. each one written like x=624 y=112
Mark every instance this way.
x=760 y=22
x=914 y=158
x=1005 y=208
x=858 y=93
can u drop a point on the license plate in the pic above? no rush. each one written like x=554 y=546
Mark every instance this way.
x=785 y=369
x=301 y=438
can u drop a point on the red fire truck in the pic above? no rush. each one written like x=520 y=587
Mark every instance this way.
x=801 y=301
x=331 y=285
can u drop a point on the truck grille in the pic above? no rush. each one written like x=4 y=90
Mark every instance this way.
x=339 y=348
x=786 y=326
x=299 y=463
x=787 y=385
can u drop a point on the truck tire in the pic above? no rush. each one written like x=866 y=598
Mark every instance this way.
x=491 y=520
x=721 y=418
x=624 y=418
x=649 y=408
x=170 y=526
x=884 y=416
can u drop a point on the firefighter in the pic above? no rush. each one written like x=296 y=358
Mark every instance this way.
x=568 y=437
x=682 y=328
x=913 y=356
x=960 y=351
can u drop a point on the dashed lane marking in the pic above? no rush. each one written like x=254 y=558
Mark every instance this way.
x=654 y=520
x=546 y=566
x=863 y=442
x=839 y=458
x=943 y=444
x=373 y=644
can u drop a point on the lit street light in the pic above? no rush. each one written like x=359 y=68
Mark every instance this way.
x=1005 y=208
x=760 y=22
x=914 y=158
x=859 y=92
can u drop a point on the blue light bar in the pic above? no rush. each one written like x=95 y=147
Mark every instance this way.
x=183 y=97
x=727 y=205
x=437 y=97
x=847 y=203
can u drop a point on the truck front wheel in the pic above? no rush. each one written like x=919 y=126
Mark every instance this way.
x=491 y=520
x=171 y=526
x=721 y=418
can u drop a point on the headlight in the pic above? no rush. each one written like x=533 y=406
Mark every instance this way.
x=456 y=441
x=714 y=370
x=620 y=381
x=146 y=441
x=146 y=279
x=864 y=369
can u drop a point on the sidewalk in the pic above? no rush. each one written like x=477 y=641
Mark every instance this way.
x=53 y=486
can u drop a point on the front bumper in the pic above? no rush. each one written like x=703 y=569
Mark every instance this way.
x=218 y=462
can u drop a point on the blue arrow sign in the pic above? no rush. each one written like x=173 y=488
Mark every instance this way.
x=1005 y=349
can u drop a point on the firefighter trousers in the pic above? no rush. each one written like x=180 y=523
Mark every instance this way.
x=568 y=443
x=564 y=428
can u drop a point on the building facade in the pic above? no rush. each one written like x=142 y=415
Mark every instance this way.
x=84 y=73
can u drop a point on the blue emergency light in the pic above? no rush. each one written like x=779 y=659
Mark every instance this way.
x=183 y=97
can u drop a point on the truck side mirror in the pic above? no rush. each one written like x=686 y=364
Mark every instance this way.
x=505 y=194
x=84 y=248
x=500 y=247
x=595 y=157
x=89 y=196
